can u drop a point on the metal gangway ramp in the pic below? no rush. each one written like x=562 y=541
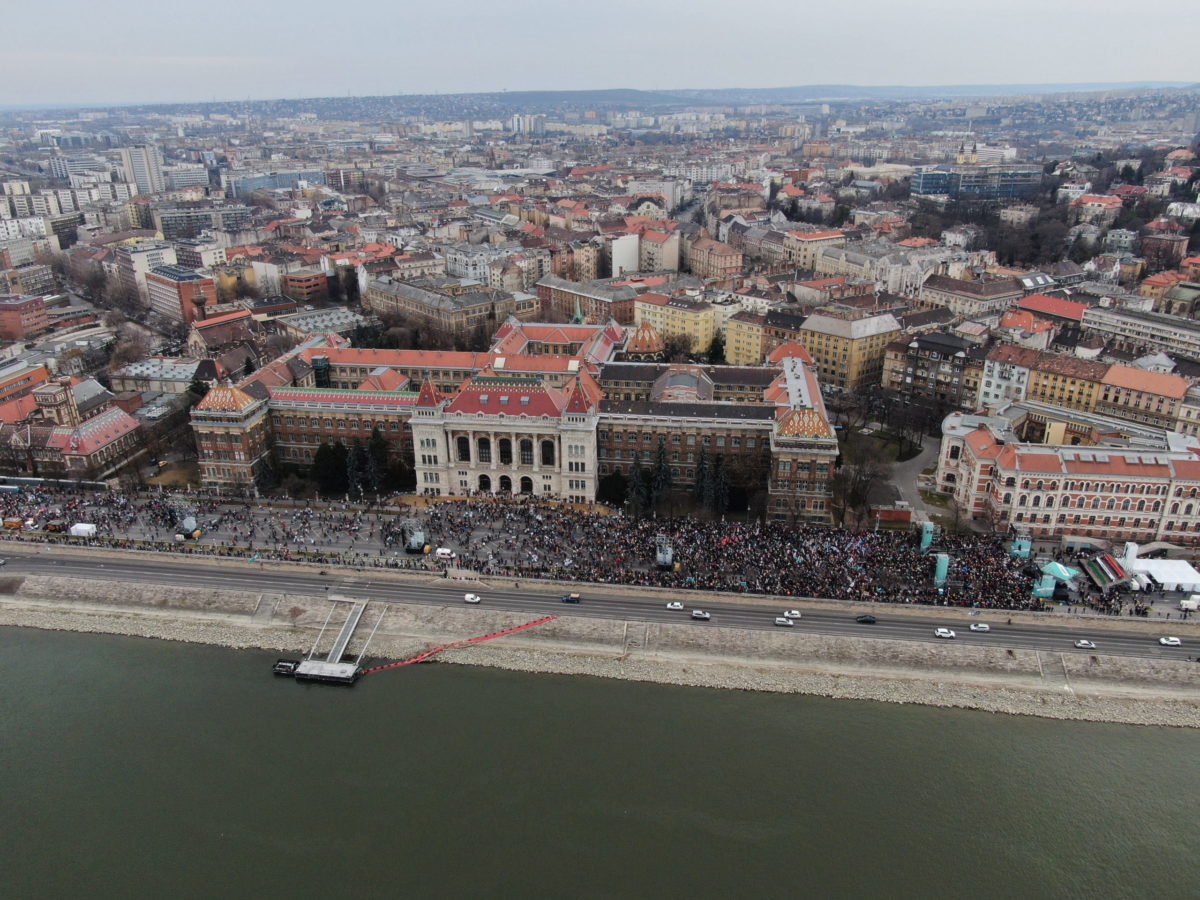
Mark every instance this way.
x=343 y=638
x=332 y=668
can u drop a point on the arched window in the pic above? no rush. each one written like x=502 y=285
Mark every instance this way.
x=1187 y=510
x=1039 y=485
x=1025 y=484
x=1124 y=506
x=505 y=452
x=1008 y=498
x=1157 y=506
x=527 y=452
x=1022 y=500
x=1037 y=501
x=1174 y=509
x=547 y=453
x=485 y=450
x=1112 y=504
x=464 y=449
x=1049 y=503
x=1141 y=507
x=1095 y=503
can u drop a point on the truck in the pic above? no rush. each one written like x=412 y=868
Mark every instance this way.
x=82 y=529
x=1191 y=604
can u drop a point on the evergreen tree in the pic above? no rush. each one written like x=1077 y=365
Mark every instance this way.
x=329 y=468
x=709 y=494
x=720 y=488
x=702 y=474
x=377 y=456
x=661 y=481
x=356 y=464
x=716 y=350
x=639 y=487
x=248 y=369
x=350 y=286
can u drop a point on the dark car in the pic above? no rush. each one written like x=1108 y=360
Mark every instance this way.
x=865 y=620
x=570 y=598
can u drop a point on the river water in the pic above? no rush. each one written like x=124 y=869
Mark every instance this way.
x=137 y=768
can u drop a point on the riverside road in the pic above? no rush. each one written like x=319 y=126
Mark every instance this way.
x=610 y=603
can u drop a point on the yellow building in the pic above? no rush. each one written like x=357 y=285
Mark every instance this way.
x=848 y=352
x=1066 y=381
x=678 y=317
x=744 y=334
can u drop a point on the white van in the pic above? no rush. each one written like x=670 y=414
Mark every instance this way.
x=445 y=553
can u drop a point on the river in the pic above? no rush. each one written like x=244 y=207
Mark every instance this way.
x=137 y=768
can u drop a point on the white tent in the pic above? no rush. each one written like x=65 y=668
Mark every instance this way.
x=1172 y=574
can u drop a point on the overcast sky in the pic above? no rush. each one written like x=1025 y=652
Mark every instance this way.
x=121 y=51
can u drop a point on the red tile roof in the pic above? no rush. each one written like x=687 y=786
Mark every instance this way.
x=496 y=395
x=1053 y=306
x=1159 y=383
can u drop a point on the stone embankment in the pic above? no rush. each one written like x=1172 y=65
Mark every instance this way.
x=1027 y=682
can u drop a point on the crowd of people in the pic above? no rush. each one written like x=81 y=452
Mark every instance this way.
x=529 y=539
x=540 y=540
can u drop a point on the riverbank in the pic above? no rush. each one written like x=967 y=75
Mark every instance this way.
x=1020 y=682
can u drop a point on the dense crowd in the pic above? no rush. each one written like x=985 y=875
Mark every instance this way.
x=527 y=539
x=539 y=540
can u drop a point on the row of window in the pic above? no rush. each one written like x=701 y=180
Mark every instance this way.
x=785 y=465
x=1097 y=503
x=1110 y=521
x=705 y=440
x=316 y=422
x=1103 y=487
x=504 y=446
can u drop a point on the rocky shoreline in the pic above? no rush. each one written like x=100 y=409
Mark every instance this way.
x=999 y=692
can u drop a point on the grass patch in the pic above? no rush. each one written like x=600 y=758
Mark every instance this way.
x=179 y=474
x=931 y=470
x=935 y=498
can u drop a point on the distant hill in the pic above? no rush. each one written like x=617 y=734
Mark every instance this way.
x=501 y=103
x=823 y=92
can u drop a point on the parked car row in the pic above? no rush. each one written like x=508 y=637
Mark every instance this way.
x=789 y=617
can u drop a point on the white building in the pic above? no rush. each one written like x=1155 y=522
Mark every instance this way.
x=508 y=434
x=143 y=166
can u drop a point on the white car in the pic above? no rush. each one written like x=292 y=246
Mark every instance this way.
x=675 y=605
x=1170 y=642
x=1084 y=645
x=471 y=598
x=980 y=626
x=792 y=614
x=784 y=621
x=944 y=633
x=701 y=615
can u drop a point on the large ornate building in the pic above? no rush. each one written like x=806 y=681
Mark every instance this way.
x=545 y=412
x=1095 y=479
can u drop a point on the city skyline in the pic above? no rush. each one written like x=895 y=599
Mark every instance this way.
x=120 y=57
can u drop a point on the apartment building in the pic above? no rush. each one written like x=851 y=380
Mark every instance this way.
x=179 y=294
x=713 y=260
x=136 y=259
x=1144 y=492
x=23 y=317
x=1135 y=331
x=970 y=298
x=848 y=347
x=681 y=317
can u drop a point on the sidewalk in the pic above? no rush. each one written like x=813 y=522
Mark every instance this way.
x=906 y=475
